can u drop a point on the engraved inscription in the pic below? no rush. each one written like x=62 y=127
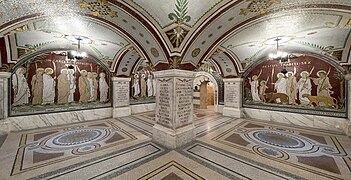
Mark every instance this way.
x=122 y=94
x=232 y=95
x=184 y=99
x=163 y=112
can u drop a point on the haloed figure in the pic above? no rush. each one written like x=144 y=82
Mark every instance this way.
x=63 y=86
x=291 y=88
x=103 y=88
x=84 y=87
x=254 y=88
x=20 y=87
x=37 y=87
x=72 y=85
x=305 y=87
x=49 y=87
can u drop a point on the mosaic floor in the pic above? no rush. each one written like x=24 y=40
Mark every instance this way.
x=225 y=148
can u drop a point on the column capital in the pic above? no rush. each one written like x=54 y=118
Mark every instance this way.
x=348 y=77
x=121 y=79
x=5 y=74
x=233 y=80
x=174 y=73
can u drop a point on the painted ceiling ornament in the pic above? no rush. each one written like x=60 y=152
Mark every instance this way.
x=258 y=6
x=179 y=17
x=175 y=62
x=98 y=8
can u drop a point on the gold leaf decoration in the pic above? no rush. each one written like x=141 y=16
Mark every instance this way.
x=99 y=8
x=258 y=6
x=175 y=62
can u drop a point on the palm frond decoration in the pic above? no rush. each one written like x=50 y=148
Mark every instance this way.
x=180 y=14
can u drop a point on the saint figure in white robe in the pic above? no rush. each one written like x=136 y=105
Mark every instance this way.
x=136 y=86
x=20 y=88
x=48 y=87
x=91 y=86
x=72 y=85
x=103 y=87
x=254 y=88
x=149 y=86
x=305 y=87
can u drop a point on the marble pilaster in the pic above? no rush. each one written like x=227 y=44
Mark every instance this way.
x=121 y=97
x=174 y=108
x=348 y=122
x=233 y=97
x=4 y=78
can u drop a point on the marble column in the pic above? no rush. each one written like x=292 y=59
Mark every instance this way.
x=348 y=102
x=4 y=94
x=4 y=79
x=233 y=97
x=174 y=108
x=121 y=97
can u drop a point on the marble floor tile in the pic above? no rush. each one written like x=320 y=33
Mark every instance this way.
x=225 y=148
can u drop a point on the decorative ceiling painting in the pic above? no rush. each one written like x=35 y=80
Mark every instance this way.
x=232 y=35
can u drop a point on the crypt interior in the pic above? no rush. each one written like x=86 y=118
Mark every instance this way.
x=175 y=89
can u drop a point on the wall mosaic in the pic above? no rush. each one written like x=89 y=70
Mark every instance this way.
x=308 y=85
x=143 y=85
x=52 y=83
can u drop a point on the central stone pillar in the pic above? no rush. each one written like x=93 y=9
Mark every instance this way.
x=233 y=97
x=174 y=108
x=121 y=97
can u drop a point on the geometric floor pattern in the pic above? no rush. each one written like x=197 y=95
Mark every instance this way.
x=225 y=148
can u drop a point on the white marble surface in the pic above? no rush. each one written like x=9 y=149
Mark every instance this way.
x=4 y=77
x=121 y=91
x=232 y=92
x=232 y=112
x=218 y=109
x=121 y=112
x=54 y=119
x=348 y=81
x=140 y=108
x=173 y=139
x=306 y=120
x=2 y=97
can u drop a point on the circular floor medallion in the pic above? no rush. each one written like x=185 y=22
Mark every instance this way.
x=278 y=139
x=76 y=137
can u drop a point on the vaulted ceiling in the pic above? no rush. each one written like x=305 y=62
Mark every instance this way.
x=231 y=34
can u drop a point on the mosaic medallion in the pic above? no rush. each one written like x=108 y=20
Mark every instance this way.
x=279 y=139
x=77 y=137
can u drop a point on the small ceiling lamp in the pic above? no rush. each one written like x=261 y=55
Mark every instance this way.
x=77 y=54
x=279 y=55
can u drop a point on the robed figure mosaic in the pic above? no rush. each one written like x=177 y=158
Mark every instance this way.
x=304 y=84
x=51 y=82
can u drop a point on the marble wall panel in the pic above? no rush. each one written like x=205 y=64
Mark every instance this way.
x=54 y=119
x=2 y=97
x=305 y=120
x=140 y=108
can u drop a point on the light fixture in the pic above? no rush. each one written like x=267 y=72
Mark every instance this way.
x=279 y=55
x=77 y=54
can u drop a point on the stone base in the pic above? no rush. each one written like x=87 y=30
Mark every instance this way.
x=173 y=139
x=141 y=108
x=4 y=127
x=121 y=112
x=348 y=128
x=233 y=112
x=299 y=119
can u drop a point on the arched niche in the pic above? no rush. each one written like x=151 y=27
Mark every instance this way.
x=215 y=84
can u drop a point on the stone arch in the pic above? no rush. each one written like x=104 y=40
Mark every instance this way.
x=216 y=87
